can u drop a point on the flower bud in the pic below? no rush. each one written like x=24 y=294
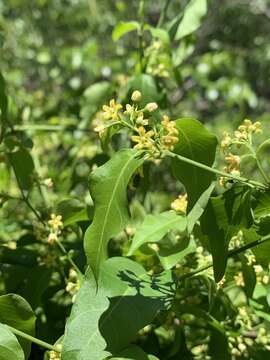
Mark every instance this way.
x=136 y=96
x=151 y=106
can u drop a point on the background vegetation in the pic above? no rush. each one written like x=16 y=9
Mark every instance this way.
x=61 y=60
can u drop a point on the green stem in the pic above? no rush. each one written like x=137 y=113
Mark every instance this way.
x=163 y=13
x=254 y=155
x=33 y=339
x=44 y=127
x=64 y=251
x=251 y=183
x=231 y=253
x=140 y=34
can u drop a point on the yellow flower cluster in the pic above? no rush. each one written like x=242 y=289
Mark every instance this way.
x=180 y=204
x=144 y=139
x=170 y=134
x=233 y=167
x=55 y=224
x=242 y=134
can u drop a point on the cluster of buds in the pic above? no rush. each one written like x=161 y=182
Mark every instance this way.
x=239 y=279
x=237 y=240
x=180 y=204
x=232 y=167
x=241 y=135
x=261 y=276
x=73 y=284
x=55 y=224
x=238 y=346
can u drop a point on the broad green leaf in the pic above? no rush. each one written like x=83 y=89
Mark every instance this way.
x=199 y=313
x=172 y=255
x=249 y=276
x=108 y=188
x=224 y=216
x=218 y=346
x=125 y=294
x=193 y=14
x=72 y=211
x=261 y=251
x=123 y=28
x=23 y=167
x=198 y=209
x=155 y=227
x=196 y=143
x=93 y=98
x=159 y=33
x=10 y=348
x=133 y=353
x=16 y=312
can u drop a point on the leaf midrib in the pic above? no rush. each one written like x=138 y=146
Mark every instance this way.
x=109 y=206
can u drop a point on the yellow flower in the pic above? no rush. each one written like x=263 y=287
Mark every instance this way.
x=180 y=204
x=226 y=140
x=56 y=222
x=111 y=112
x=53 y=355
x=143 y=139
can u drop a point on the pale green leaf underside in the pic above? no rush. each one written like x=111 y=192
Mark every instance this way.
x=155 y=227
x=191 y=21
x=105 y=319
x=10 y=348
x=108 y=188
x=123 y=28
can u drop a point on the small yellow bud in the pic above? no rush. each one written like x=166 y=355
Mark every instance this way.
x=151 y=106
x=52 y=238
x=48 y=182
x=136 y=96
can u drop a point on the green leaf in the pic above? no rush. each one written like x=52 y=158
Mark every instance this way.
x=172 y=255
x=193 y=14
x=198 y=144
x=155 y=227
x=16 y=312
x=198 y=209
x=72 y=211
x=10 y=348
x=23 y=167
x=108 y=187
x=249 y=276
x=126 y=294
x=218 y=346
x=224 y=216
x=123 y=28
x=133 y=353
